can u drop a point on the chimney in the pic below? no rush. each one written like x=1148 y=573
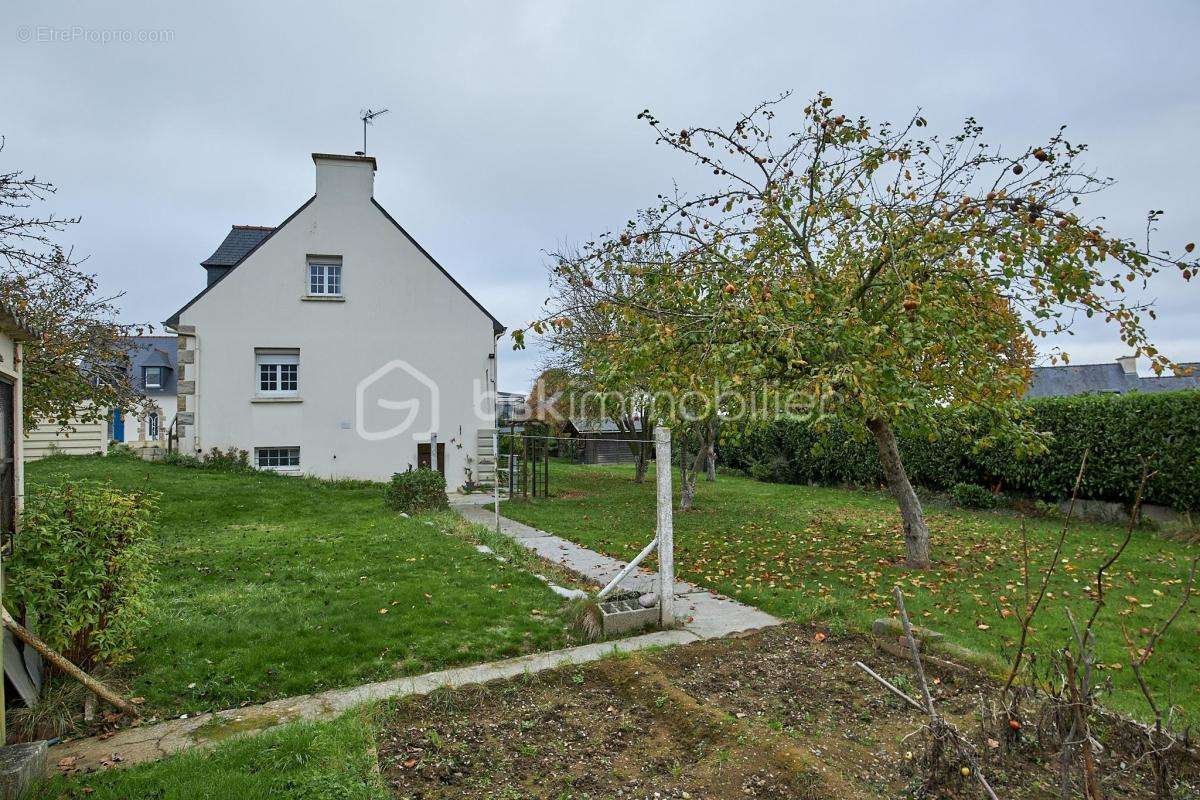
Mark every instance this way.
x=345 y=177
x=1128 y=365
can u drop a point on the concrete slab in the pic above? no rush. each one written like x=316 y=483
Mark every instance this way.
x=20 y=766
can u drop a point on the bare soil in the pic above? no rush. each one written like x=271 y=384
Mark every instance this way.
x=783 y=713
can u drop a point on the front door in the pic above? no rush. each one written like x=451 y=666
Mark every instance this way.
x=423 y=457
x=118 y=426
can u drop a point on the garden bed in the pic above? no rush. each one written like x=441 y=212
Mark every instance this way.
x=831 y=556
x=780 y=714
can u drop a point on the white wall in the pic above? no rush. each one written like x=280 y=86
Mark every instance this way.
x=135 y=424
x=11 y=368
x=81 y=439
x=398 y=305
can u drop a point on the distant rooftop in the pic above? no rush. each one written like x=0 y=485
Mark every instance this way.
x=1116 y=378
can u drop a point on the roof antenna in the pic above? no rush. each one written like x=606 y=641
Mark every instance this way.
x=368 y=118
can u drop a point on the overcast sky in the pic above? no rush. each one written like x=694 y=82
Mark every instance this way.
x=512 y=125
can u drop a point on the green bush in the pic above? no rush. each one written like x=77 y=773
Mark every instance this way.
x=1163 y=427
x=416 y=490
x=970 y=495
x=82 y=565
x=232 y=459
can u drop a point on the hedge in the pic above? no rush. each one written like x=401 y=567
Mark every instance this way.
x=1164 y=427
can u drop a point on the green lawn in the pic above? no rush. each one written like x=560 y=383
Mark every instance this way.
x=304 y=761
x=274 y=586
x=830 y=555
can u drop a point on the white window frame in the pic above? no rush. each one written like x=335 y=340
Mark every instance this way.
x=152 y=425
x=285 y=458
x=277 y=372
x=324 y=276
x=146 y=377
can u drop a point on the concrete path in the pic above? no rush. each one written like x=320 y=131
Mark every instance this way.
x=704 y=614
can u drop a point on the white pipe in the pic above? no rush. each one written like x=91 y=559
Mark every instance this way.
x=630 y=567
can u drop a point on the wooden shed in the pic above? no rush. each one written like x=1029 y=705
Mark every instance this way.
x=599 y=442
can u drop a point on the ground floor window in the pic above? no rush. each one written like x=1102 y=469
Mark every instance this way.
x=152 y=425
x=277 y=457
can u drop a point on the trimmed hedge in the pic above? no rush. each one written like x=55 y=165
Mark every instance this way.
x=416 y=490
x=1164 y=427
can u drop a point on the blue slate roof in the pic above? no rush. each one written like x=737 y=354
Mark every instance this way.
x=1172 y=383
x=240 y=240
x=154 y=351
x=1080 y=379
x=1066 y=381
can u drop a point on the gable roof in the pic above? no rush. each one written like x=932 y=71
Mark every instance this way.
x=246 y=233
x=1081 y=379
x=1172 y=383
x=173 y=320
x=497 y=326
x=240 y=240
x=1065 y=381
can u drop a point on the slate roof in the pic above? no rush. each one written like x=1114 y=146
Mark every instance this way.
x=240 y=240
x=1172 y=383
x=154 y=351
x=1079 y=379
x=1066 y=381
x=245 y=239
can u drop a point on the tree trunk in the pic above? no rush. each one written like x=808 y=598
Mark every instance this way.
x=640 y=462
x=689 y=471
x=711 y=454
x=916 y=534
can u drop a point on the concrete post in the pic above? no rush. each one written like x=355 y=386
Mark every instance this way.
x=433 y=459
x=496 y=475
x=665 y=528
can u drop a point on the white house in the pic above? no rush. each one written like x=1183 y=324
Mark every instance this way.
x=335 y=345
x=152 y=371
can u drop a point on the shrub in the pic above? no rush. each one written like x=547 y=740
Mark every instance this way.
x=970 y=495
x=229 y=460
x=82 y=563
x=232 y=459
x=1163 y=427
x=416 y=490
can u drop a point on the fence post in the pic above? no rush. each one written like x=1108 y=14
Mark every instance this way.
x=665 y=527
x=496 y=474
x=433 y=459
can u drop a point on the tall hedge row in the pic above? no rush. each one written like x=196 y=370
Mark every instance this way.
x=1164 y=427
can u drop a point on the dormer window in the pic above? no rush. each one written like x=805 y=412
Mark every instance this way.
x=152 y=377
x=324 y=276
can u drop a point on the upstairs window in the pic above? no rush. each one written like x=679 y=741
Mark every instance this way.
x=277 y=372
x=325 y=277
x=152 y=377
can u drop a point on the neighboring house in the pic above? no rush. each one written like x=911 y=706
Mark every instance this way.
x=152 y=371
x=599 y=442
x=1116 y=378
x=335 y=345
x=78 y=438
